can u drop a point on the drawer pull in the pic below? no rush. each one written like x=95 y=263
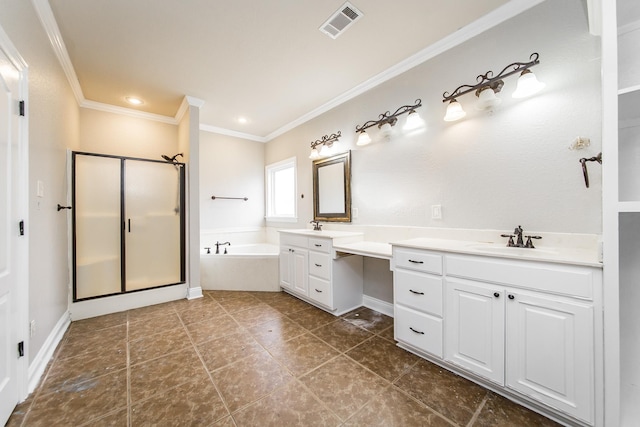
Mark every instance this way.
x=416 y=292
x=417 y=332
x=318 y=290
x=317 y=245
x=416 y=262
x=318 y=265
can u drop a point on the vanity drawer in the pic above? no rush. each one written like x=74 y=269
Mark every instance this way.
x=293 y=240
x=561 y=279
x=319 y=265
x=419 y=330
x=420 y=291
x=320 y=245
x=320 y=291
x=418 y=260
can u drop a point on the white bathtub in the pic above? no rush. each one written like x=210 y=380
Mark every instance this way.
x=252 y=267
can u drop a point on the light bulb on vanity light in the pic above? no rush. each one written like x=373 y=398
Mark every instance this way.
x=386 y=129
x=487 y=99
x=454 y=111
x=363 y=139
x=527 y=85
x=314 y=154
x=414 y=121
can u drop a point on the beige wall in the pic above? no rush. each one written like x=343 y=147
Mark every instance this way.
x=53 y=126
x=231 y=167
x=109 y=133
x=490 y=170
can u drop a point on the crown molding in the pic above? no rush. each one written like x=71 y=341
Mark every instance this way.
x=93 y=105
x=44 y=12
x=229 y=132
x=486 y=22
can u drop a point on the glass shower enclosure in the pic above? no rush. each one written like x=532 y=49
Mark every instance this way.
x=128 y=224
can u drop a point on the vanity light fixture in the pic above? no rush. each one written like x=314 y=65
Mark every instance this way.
x=322 y=144
x=387 y=120
x=488 y=86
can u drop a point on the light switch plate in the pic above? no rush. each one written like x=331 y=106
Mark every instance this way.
x=436 y=211
x=40 y=189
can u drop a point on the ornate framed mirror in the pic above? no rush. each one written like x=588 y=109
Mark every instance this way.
x=332 y=188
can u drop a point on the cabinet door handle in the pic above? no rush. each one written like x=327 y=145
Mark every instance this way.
x=416 y=262
x=318 y=290
x=511 y=296
x=129 y=224
x=416 y=292
x=417 y=332
x=318 y=265
x=497 y=295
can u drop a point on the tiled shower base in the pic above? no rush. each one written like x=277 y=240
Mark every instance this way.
x=251 y=359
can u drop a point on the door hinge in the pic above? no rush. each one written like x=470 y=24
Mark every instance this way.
x=21 y=227
x=21 y=349
x=21 y=108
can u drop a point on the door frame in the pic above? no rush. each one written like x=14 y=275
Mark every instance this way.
x=21 y=189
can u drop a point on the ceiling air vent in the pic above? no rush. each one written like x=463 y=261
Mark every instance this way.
x=341 y=20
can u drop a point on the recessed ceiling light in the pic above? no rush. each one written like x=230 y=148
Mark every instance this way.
x=133 y=100
x=242 y=120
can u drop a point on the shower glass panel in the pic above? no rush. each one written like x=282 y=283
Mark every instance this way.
x=97 y=224
x=128 y=224
x=152 y=212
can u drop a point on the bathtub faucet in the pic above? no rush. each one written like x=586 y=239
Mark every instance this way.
x=316 y=225
x=218 y=244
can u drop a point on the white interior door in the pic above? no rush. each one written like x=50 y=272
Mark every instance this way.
x=9 y=234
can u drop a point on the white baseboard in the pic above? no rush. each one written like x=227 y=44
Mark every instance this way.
x=378 y=305
x=39 y=364
x=193 y=293
x=100 y=306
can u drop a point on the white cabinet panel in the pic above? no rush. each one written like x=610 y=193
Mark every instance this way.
x=419 y=291
x=320 y=291
x=320 y=265
x=419 y=330
x=550 y=352
x=475 y=328
x=299 y=274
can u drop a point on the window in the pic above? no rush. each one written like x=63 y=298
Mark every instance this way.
x=281 y=190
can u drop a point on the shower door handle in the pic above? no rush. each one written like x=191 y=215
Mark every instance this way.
x=129 y=224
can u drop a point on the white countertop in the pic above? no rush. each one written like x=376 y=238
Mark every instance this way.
x=350 y=242
x=560 y=255
x=329 y=234
x=370 y=249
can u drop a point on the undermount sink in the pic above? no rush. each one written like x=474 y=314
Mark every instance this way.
x=506 y=250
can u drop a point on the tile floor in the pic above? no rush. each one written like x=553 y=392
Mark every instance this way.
x=251 y=359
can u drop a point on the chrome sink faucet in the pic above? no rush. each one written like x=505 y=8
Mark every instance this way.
x=316 y=225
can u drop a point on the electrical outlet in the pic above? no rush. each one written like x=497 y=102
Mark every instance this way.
x=436 y=211
x=32 y=328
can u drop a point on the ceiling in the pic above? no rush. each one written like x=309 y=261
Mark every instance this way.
x=265 y=61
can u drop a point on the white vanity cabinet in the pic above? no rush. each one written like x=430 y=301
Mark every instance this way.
x=528 y=326
x=311 y=270
x=528 y=329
